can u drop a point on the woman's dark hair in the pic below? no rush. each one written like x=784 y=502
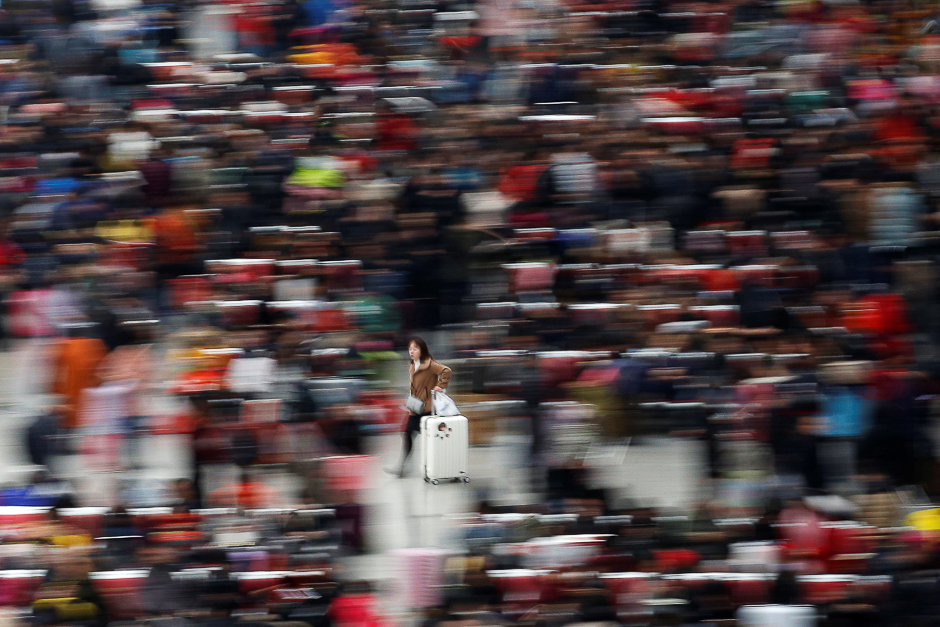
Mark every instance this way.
x=422 y=346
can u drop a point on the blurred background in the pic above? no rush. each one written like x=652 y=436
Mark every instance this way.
x=680 y=256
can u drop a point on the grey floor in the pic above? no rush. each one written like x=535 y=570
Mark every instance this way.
x=401 y=513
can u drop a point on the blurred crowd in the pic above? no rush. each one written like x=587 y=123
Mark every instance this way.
x=704 y=220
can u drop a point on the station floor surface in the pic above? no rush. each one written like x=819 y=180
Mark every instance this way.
x=400 y=513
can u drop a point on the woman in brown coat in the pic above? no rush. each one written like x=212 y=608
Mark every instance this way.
x=426 y=376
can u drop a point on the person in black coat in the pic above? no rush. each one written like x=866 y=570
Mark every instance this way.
x=42 y=436
x=796 y=444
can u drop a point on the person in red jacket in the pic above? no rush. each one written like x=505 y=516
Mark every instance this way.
x=355 y=607
x=394 y=130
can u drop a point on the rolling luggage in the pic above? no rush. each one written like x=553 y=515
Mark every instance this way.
x=420 y=576
x=777 y=615
x=446 y=448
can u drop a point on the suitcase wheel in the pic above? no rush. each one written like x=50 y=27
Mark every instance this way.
x=435 y=481
x=466 y=479
x=426 y=480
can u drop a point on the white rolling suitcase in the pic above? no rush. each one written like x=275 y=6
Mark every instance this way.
x=445 y=448
x=777 y=615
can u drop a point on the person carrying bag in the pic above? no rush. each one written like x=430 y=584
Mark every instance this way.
x=426 y=376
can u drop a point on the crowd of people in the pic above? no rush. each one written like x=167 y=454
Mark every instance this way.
x=703 y=220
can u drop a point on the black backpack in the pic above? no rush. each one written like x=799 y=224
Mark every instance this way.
x=42 y=439
x=243 y=447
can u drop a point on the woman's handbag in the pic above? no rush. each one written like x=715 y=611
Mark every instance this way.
x=415 y=405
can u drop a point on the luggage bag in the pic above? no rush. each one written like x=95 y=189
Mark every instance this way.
x=445 y=450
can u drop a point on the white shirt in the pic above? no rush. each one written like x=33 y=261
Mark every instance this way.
x=250 y=375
